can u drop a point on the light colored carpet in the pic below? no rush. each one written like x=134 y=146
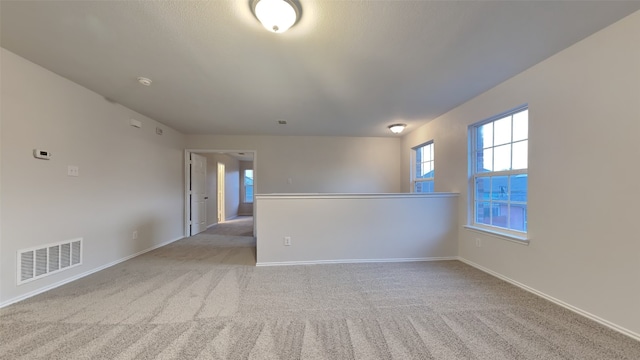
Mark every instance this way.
x=203 y=298
x=239 y=226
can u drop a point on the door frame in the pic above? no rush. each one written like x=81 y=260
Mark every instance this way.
x=221 y=190
x=187 y=181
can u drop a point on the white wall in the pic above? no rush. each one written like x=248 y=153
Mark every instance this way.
x=584 y=123
x=354 y=228
x=130 y=179
x=320 y=164
x=232 y=186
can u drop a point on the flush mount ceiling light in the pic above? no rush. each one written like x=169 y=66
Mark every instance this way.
x=397 y=128
x=144 y=81
x=276 y=15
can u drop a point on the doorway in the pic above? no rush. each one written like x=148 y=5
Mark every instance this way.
x=226 y=191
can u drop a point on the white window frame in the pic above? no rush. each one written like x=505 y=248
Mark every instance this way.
x=509 y=234
x=414 y=179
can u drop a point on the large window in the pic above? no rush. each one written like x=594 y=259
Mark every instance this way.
x=499 y=171
x=424 y=168
x=248 y=186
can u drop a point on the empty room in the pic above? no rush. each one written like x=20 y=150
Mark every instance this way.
x=298 y=179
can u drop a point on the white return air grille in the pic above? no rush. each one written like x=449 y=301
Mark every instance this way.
x=45 y=260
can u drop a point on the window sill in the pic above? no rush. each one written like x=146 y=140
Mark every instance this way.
x=522 y=240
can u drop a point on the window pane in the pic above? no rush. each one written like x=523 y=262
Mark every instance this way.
x=502 y=131
x=484 y=136
x=248 y=193
x=428 y=186
x=483 y=188
x=425 y=170
x=521 y=125
x=483 y=213
x=427 y=153
x=423 y=186
x=518 y=217
x=499 y=214
x=519 y=188
x=520 y=155
x=248 y=185
x=431 y=150
x=500 y=188
x=502 y=158
x=484 y=160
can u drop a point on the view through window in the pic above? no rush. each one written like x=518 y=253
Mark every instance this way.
x=424 y=172
x=500 y=179
x=248 y=186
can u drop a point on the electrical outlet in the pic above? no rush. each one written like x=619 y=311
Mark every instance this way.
x=134 y=235
x=287 y=241
x=478 y=242
x=73 y=170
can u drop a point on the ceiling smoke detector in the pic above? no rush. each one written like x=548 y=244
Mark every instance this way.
x=144 y=81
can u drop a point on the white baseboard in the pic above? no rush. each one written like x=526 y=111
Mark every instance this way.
x=79 y=276
x=214 y=224
x=565 y=305
x=354 y=261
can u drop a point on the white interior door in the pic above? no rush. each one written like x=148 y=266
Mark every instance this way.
x=221 y=214
x=198 y=194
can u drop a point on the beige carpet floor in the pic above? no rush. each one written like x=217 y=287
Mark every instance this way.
x=239 y=226
x=203 y=298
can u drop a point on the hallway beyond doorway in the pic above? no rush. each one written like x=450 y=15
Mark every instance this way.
x=239 y=226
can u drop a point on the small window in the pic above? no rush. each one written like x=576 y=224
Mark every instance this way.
x=499 y=171
x=424 y=168
x=248 y=186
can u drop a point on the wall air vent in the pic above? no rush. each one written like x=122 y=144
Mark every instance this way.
x=40 y=261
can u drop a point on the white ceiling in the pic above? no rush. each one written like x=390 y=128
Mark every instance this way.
x=347 y=68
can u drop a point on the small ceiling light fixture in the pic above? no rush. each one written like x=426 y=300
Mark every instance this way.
x=276 y=15
x=397 y=128
x=144 y=81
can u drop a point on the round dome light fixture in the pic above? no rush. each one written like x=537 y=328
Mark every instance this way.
x=397 y=128
x=144 y=81
x=276 y=15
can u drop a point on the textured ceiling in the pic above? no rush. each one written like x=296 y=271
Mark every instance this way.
x=347 y=68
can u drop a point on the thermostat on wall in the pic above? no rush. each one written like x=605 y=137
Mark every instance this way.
x=41 y=154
